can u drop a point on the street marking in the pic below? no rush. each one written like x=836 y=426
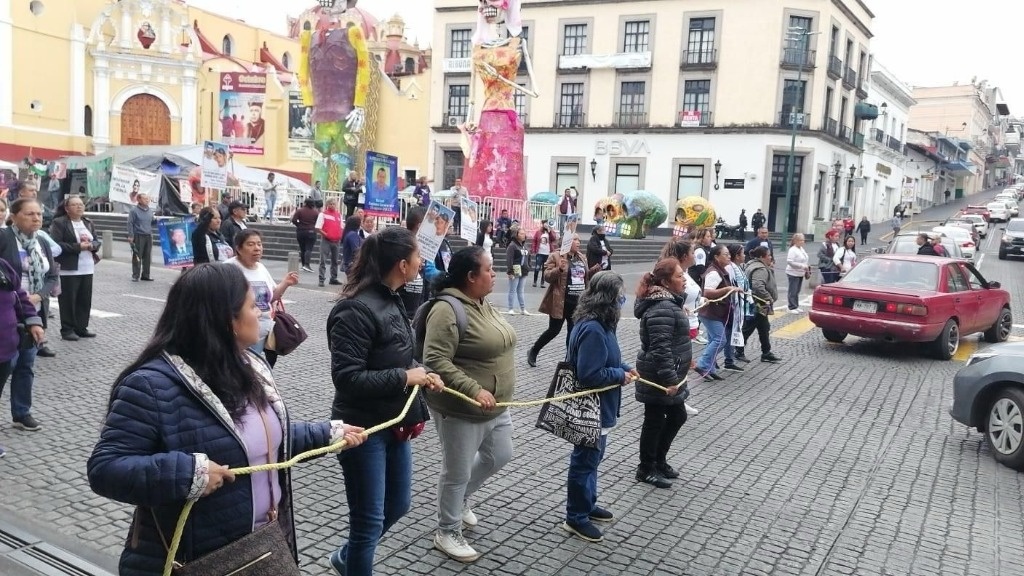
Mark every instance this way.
x=161 y=300
x=94 y=313
x=795 y=329
x=967 y=347
x=980 y=260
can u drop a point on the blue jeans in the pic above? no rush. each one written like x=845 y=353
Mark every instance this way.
x=22 y=376
x=271 y=203
x=378 y=488
x=581 y=488
x=516 y=286
x=716 y=342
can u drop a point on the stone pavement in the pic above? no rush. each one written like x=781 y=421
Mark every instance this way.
x=841 y=460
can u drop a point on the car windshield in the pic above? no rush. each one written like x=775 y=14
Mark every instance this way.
x=954 y=231
x=997 y=206
x=1015 y=226
x=894 y=273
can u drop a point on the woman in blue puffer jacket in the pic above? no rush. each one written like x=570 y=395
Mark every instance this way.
x=193 y=406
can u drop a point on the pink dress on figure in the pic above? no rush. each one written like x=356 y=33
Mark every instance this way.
x=495 y=163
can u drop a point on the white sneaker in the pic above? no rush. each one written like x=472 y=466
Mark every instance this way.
x=690 y=410
x=469 y=519
x=701 y=339
x=455 y=546
x=513 y=312
x=527 y=313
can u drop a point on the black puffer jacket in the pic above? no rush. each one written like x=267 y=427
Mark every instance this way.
x=665 y=349
x=371 y=344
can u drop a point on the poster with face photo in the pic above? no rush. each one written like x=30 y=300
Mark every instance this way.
x=215 y=166
x=571 y=221
x=434 y=228
x=175 y=241
x=240 y=111
x=470 y=220
x=126 y=183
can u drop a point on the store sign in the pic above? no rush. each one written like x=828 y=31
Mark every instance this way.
x=621 y=147
x=734 y=183
x=883 y=170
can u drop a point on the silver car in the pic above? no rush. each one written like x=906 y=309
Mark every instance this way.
x=988 y=394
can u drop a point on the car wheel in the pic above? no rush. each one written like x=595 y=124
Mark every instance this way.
x=1004 y=428
x=948 y=341
x=1000 y=331
x=1002 y=255
x=834 y=336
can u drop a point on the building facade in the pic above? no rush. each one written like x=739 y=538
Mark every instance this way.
x=80 y=77
x=679 y=98
x=884 y=183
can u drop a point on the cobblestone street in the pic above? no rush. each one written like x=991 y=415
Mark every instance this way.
x=840 y=460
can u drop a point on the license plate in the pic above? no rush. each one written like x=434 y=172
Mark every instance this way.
x=867 y=307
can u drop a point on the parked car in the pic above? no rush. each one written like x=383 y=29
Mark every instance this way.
x=1011 y=205
x=926 y=299
x=906 y=243
x=968 y=227
x=1012 y=241
x=963 y=236
x=977 y=220
x=998 y=212
x=988 y=394
x=979 y=210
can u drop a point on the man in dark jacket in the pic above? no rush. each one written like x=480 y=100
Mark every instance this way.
x=924 y=245
x=757 y=220
x=235 y=223
x=864 y=227
x=350 y=192
x=743 y=224
x=599 y=251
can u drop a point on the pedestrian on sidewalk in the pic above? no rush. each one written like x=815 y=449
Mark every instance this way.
x=329 y=227
x=193 y=405
x=864 y=227
x=798 y=269
x=846 y=257
x=479 y=361
x=765 y=292
x=304 y=219
x=544 y=241
x=79 y=245
x=567 y=276
x=140 y=236
x=270 y=198
x=518 y=261
x=826 y=258
x=743 y=225
x=597 y=359
x=896 y=223
x=664 y=358
x=371 y=345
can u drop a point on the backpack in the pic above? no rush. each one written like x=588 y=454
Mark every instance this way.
x=419 y=321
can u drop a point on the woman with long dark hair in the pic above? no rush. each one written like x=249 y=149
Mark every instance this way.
x=567 y=277
x=372 y=366
x=351 y=240
x=597 y=359
x=479 y=361
x=485 y=235
x=715 y=314
x=207 y=243
x=195 y=404
x=664 y=358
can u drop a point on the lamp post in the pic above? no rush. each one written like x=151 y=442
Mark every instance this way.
x=593 y=169
x=849 y=189
x=796 y=34
x=718 y=168
x=835 y=189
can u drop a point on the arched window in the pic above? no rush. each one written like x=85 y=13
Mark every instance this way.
x=286 y=60
x=87 y=120
x=227 y=46
x=410 y=66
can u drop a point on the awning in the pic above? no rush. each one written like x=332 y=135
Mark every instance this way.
x=959 y=167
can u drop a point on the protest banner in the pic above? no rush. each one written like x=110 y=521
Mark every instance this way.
x=215 y=166
x=571 y=221
x=381 y=185
x=175 y=241
x=433 y=230
x=126 y=183
x=470 y=220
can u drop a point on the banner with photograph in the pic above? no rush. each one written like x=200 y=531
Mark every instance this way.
x=126 y=183
x=300 y=128
x=175 y=241
x=242 y=126
x=382 y=186
x=185 y=192
x=568 y=231
x=214 y=166
x=470 y=220
x=433 y=230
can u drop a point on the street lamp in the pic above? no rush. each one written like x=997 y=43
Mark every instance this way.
x=795 y=35
x=718 y=168
x=836 y=170
x=593 y=169
x=849 y=189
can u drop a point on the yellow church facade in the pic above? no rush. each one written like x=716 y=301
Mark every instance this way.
x=80 y=77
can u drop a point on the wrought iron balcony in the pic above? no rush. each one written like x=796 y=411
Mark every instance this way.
x=789 y=119
x=850 y=78
x=846 y=133
x=835 y=67
x=832 y=127
x=878 y=135
x=797 y=59
x=571 y=120
x=895 y=144
x=703 y=59
x=862 y=91
x=631 y=120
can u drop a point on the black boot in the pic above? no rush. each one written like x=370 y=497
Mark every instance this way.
x=648 y=475
x=531 y=357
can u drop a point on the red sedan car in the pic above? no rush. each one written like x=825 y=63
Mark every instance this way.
x=910 y=298
x=980 y=210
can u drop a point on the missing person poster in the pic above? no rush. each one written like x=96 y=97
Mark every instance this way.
x=175 y=241
x=242 y=126
x=434 y=229
x=215 y=166
x=126 y=183
x=185 y=192
x=300 y=128
x=470 y=220
x=571 y=221
x=382 y=185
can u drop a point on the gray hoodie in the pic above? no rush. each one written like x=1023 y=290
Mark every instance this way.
x=762 y=283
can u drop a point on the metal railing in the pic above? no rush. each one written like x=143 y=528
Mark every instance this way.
x=835 y=67
x=797 y=58
x=832 y=127
x=572 y=120
x=703 y=58
x=846 y=133
x=630 y=119
x=894 y=144
x=705 y=119
x=850 y=78
x=878 y=135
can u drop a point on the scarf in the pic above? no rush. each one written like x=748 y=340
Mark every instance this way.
x=36 y=276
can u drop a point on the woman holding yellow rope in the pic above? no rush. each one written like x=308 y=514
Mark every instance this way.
x=476 y=441
x=195 y=405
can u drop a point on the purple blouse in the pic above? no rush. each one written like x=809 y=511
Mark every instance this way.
x=264 y=493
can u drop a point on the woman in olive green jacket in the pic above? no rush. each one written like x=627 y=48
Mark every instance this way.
x=476 y=442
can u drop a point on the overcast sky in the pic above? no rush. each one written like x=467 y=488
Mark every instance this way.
x=924 y=42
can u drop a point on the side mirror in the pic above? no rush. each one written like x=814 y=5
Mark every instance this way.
x=880 y=250
x=994 y=285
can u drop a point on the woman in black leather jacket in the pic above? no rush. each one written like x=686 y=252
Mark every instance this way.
x=664 y=358
x=373 y=369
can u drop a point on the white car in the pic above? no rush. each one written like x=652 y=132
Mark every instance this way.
x=978 y=221
x=961 y=236
x=997 y=212
x=1011 y=205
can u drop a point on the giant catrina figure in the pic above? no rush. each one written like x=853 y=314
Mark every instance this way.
x=493 y=143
